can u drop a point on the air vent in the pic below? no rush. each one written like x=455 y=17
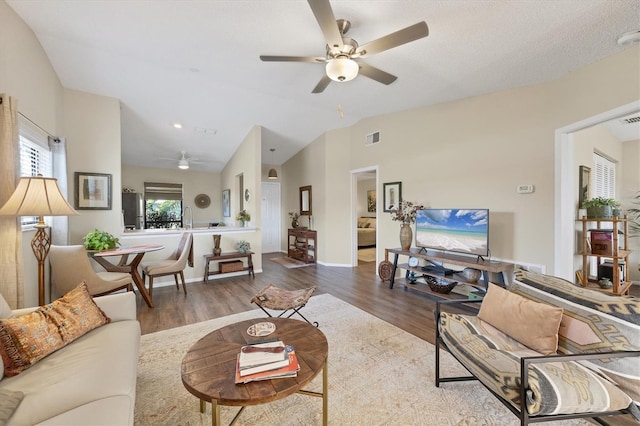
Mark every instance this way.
x=372 y=138
x=631 y=120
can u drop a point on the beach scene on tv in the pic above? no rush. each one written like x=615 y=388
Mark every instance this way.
x=458 y=230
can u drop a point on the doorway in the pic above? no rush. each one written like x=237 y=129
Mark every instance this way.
x=565 y=187
x=271 y=217
x=364 y=215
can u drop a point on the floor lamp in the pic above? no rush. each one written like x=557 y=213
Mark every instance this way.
x=38 y=196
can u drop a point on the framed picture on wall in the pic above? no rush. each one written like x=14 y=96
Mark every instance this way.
x=93 y=191
x=585 y=186
x=392 y=195
x=226 y=203
x=371 y=201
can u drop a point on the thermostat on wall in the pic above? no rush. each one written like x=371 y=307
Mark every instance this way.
x=525 y=189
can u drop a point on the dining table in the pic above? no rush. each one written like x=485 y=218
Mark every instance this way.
x=127 y=264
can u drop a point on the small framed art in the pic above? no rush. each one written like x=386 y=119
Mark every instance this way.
x=392 y=195
x=93 y=191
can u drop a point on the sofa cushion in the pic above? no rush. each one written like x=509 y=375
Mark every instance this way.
x=554 y=388
x=593 y=321
x=99 y=365
x=9 y=401
x=26 y=339
x=533 y=324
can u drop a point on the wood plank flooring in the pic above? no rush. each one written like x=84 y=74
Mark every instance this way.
x=360 y=287
x=407 y=309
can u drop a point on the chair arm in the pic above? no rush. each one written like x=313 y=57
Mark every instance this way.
x=453 y=302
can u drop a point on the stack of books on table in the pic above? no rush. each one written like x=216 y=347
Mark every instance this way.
x=266 y=361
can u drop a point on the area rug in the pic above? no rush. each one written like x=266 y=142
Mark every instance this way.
x=367 y=254
x=378 y=375
x=289 y=263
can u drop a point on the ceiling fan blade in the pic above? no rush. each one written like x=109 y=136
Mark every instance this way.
x=327 y=21
x=322 y=84
x=376 y=74
x=409 y=34
x=316 y=59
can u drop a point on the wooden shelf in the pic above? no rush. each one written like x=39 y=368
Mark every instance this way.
x=302 y=244
x=618 y=254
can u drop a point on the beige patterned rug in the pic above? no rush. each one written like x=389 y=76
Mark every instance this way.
x=367 y=254
x=378 y=375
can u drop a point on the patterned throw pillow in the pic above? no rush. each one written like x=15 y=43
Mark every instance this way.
x=26 y=339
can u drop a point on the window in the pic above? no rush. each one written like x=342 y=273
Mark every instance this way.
x=35 y=156
x=163 y=205
x=603 y=176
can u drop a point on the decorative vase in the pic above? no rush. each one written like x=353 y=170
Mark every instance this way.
x=294 y=224
x=406 y=236
x=216 y=245
x=600 y=212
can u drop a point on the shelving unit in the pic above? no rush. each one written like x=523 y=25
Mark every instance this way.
x=617 y=255
x=303 y=244
x=504 y=269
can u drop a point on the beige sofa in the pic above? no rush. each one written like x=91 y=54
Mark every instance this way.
x=366 y=231
x=91 y=381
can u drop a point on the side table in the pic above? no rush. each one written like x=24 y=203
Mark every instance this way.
x=227 y=256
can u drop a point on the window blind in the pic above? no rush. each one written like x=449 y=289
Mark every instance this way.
x=604 y=177
x=162 y=191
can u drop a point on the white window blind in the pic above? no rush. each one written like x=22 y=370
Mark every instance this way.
x=604 y=177
x=35 y=156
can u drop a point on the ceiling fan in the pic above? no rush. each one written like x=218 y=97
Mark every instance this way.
x=342 y=52
x=184 y=161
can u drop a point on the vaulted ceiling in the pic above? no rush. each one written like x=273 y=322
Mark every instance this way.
x=197 y=62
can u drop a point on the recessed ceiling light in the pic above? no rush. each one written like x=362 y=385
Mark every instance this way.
x=177 y=125
x=629 y=37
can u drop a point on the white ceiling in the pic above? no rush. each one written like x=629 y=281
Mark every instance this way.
x=197 y=62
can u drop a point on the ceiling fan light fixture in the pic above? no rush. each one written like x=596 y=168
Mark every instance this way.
x=183 y=164
x=342 y=69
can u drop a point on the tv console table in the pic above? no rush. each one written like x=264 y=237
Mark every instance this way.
x=504 y=269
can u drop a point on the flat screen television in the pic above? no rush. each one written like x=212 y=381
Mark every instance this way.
x=457 y=230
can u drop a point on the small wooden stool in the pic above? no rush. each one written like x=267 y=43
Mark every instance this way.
x=277 y=299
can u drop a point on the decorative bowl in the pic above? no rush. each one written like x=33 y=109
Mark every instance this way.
x=440 y=285
x=471 y=275
x=605 y=283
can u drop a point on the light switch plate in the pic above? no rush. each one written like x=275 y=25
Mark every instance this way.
x=525 y=189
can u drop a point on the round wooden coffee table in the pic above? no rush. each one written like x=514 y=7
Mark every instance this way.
x=208 y=368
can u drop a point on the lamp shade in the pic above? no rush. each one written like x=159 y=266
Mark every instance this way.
x=342 y=69
x=273 y=174
x=37 y=196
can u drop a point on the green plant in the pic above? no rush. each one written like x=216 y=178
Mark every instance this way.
x=633 y=214
x=244 y=216
x=100 y=240
x=243 y=246
x=600 y=202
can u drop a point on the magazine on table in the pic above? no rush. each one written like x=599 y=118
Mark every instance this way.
x=289 y=370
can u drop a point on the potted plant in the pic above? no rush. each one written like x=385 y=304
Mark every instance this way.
x=406 y=213
x=243 y=246
x=243 y=216
x=100 y=240
x=600 y=207
x=294 y=216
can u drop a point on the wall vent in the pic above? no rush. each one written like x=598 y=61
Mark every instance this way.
x=631 y=120
x=372 y=138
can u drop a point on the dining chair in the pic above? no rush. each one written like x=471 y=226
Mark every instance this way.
x=172 y=265
x=70 y=265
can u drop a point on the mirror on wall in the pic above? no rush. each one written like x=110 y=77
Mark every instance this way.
x=305 y=200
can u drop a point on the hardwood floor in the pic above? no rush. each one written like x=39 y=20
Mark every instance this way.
x=360 y=287
x=409 y=310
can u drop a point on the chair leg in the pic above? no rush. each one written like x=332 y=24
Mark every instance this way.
x=184 y=285
x=151 y=287
x=175 y=278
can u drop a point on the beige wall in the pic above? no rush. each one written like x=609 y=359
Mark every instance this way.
x=193 y=183
x=473 y=153
x=92 y=126
x=247 y=161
